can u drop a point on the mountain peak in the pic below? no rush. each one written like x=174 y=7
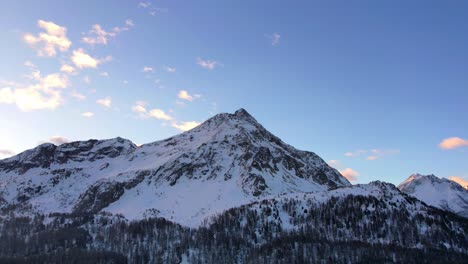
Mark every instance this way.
x=242 y=113
x=439 y=192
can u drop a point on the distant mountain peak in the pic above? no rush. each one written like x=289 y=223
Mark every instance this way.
x=438 y=192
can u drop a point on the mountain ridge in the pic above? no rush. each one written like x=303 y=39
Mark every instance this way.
x=231 y=157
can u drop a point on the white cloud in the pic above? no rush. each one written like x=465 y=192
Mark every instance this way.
x=184 y=126
x=453 y=142
x=184 y=95
x=207 y=64
x=68 y=69
x=97 y=35
x=83 y=60
x=78 y=96
x=463 y=182
x=47 y=43
x=349 y=174
x=170 y=69
x=275 y=39
x=104 y=74
x=44 y=93
x=148 y=69
x=139 y=107
x=87 y=114
x=159 y=114
x=58 y=140
x=107 y=102
x=6 y=153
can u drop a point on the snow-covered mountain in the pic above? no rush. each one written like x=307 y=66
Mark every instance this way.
x=365 y=223
x=227 y=161
x=438 y=192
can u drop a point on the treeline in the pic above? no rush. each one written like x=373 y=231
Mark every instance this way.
x=352 y=229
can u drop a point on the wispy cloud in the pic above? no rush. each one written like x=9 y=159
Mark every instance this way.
x=58 y=140
x=349 y=174
x=170 y=69
x=87 y=114
x=274 y=38
x=372 y=154
x=106 y=102
x=86 y=79
x=453 y=143
x=207 y=64
x=184 y=126
x=148 y=69
x=78 y=96
x=47 y=43
x=97 y=35
x=43 y=93
x=152 y=10
x=6 y=153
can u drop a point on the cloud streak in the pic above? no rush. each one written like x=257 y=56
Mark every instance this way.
x=98 y=36
x=372 y=154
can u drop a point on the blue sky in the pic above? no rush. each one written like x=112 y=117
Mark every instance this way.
x=376 y=87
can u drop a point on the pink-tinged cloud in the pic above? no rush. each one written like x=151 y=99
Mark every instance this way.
x=453 y=142
x=6 y=153
x=349 y=174
x=58 y=140
x=459 y=180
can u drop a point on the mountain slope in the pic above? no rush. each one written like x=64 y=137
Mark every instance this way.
x=227 y=161
x=367 y=223
x=438 y=192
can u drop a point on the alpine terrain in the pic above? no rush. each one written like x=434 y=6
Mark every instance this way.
x=227 y=191
x=439 y=192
